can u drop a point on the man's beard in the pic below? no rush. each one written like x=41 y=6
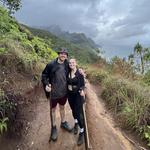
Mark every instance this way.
x=61 y=60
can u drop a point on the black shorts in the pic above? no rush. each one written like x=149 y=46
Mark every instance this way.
x=62 y=101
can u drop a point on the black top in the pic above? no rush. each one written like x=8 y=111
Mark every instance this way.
x=56 y=74
x=77 y=83
x=59 y=83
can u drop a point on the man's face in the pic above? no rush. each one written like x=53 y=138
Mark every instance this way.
x=62 y=56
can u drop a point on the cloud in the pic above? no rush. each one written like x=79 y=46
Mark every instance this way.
x=111 y=23
x=76 y=16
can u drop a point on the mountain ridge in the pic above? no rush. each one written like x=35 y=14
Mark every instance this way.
x=82 y=52
x=74 y=37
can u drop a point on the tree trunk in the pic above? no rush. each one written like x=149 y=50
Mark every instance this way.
x=10 y=10
x=142 y=64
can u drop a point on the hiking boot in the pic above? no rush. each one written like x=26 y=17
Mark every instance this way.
x=65 y=125
x=75 y=128
x=54 y=134
x=80 y=138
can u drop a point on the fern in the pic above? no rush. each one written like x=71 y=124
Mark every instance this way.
x=3 y=125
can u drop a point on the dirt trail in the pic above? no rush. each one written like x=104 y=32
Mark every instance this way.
x=102 y=131
x=39 y=132
x=103 y=134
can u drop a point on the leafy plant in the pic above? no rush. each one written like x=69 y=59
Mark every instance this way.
x=12 y=5
x=129 y=100
x=142 y=54
x=2 y=50
x=147 y=134
x=3 y=125
x=146 y=77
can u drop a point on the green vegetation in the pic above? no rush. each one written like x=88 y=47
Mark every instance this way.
x=130 y=102
x=82 y=52
x=125 y=94
x=79 y=39
x=19 y=41
x=12 y=5
x=3 y=108
x=2 y=50
x=3 y=125
x=146 y=78
x=142 y=54
x=125 y=90
x=20 y=53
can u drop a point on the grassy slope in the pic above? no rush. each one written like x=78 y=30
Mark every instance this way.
x=127 y=96
x=22 y=56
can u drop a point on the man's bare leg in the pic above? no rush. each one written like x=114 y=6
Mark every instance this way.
x=54 y=116
x=54 y=128
x=64 y=124
x=62 y=112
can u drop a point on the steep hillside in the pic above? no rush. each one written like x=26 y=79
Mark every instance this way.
x=22 y=56
x=76 y=38
x=77 y=47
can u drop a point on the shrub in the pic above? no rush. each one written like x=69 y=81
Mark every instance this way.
x=6 y=22
x=96 y=76
x=3 y=125
x=146 y=77
x=2 y=50
x=4 y=107
x=41 y=48
x=122 y=67
x=129 y=100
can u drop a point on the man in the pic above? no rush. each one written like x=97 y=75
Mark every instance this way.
x=54 y=78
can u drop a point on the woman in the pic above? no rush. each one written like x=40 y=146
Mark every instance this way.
x=75 y=97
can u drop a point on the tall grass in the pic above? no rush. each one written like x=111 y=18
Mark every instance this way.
x=128 y=99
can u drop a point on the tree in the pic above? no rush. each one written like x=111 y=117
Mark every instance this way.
x=131 y=59
x=3 y=2
x=138 y=49
x=12 y=5
x=147 y=54
x=147 y=58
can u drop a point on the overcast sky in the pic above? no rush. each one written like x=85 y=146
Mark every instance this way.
x=114 y=24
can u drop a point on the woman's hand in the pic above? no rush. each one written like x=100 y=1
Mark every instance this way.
x=82 y=93
x=82 y=72
x=48 y=88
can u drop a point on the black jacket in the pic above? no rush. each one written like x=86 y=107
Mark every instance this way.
x=77 y=82
x=49 y=72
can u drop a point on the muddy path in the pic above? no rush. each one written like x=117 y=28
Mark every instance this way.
x=104 y=135
x=102 y=131
x=39 y=132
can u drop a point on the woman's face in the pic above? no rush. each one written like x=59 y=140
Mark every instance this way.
x=72 y=63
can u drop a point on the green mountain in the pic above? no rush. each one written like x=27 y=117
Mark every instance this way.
x=76 y=38
x=17 y=40
x=82 y=52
